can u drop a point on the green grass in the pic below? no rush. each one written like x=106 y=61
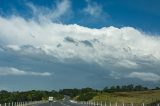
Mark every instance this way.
x=137 y=97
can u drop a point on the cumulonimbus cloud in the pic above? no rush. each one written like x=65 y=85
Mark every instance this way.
x=125 y=45
x=109 y=47
x=117 y=49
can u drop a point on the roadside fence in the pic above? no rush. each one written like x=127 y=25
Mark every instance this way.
x=100 y=103
x=28 y=103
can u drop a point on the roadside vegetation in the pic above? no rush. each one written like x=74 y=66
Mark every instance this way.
x=6 y=97
x=136 y=97
x=120 y=94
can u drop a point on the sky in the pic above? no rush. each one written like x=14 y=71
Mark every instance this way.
x=57 y=44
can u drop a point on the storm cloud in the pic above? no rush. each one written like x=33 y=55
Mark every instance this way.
x=126 y=48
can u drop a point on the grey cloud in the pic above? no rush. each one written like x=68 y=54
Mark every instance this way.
x=69 y=39
x=87 y=43
x=59 y=45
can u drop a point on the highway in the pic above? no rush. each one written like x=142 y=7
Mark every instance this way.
x=60 y=103
x=65 y=102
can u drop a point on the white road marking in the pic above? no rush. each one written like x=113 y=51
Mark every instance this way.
x=64 y=104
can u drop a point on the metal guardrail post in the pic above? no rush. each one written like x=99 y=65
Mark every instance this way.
x=116 y=104
x=105 y=104
x=131 y=104
x=97 y=103
x=110 y=104
x=123 y=104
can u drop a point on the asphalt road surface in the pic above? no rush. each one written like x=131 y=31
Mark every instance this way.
x=60 y=103
x=64 y=102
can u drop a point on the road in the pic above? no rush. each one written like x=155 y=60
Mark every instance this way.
x=65 y=102
x=60 y=103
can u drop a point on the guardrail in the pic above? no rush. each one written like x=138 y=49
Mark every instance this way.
x=28 y=103
x=90 y=103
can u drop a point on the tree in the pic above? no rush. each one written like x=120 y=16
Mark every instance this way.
x=86 y=96
x=105 y=89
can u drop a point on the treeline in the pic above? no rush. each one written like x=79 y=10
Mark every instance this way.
x=125 y=88
x=83 y=94
x=128 y=88
x=86 y=94
x=74 y=92
x=32 y=95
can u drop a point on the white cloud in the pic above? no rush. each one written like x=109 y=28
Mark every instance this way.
x=127 y=64
x=93 y=9
x=125 y=47
x=145 y=76
x=54 y=14
x=61 y=8
x=4 y=88
x=13 y=47
x=16 y=72
x=113 y=48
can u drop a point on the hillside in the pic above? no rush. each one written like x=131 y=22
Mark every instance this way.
x=137 y=97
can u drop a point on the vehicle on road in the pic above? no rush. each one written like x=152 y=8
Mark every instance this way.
x=50 y=98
